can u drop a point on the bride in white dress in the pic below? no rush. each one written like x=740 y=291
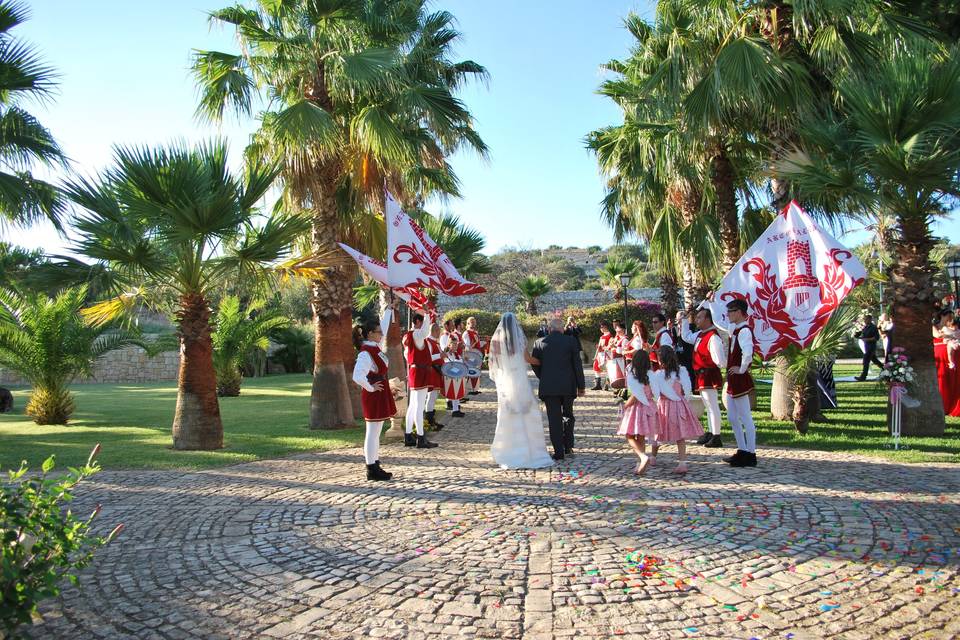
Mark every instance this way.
x=518 y=442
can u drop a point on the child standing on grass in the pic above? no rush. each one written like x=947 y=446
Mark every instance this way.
x=641 y=419
x=677 y=420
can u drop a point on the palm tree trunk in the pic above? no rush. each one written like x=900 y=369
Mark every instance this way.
x=914 y=304
x=669 y=294
x=723 y=179
x=196 y=423
x=695 y=286
x=330 y=403
x=50 y=405
x=781 y=395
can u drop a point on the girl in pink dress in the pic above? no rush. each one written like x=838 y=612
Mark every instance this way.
x=641 y=419
x=677 y=420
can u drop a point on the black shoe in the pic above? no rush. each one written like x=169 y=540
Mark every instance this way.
x=449 y=405
x=374 y=472
x=474 y=393
x=746 y=460
x=423 y=443
x=705 y=438
x=606 y=386
x=568 y=451
x=714 y=443
x=557 y=457
x=409 y=440
x=457 y=414
x=596 y=385
x=386 y=474
x=462 y=400
x=430 y=417
x=735 y=457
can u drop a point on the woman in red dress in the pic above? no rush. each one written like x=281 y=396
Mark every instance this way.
x=946 y=354
x=370 y=373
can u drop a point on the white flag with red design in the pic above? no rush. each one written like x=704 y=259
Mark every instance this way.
x=415 y=260
x=377 y=270
x=793 y=278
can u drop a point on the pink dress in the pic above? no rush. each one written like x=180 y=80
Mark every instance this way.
x=677 y=421
x=640 y=419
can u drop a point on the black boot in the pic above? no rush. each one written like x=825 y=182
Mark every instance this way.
x=376 y=473
x=714 y=443
x=457 y=414
x=430 y=417
x=746 y=459
x=423 y=443
x=386 y=474
x=449 y=405
x=705 y=438
x=409 y=440
x=596 y=385
x=735 y=457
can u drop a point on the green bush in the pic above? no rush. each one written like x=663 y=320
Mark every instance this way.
x=589 y=319
x=41 y=543
x=296 y=348
x=487 y=321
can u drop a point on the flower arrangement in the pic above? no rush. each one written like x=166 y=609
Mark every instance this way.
x=897 y=370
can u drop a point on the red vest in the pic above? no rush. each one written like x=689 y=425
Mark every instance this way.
x=474 y=338
x=418 y=362
x=377 y=405
x=436 y=359
x=738 y=384
x=707 y=374
x=654 y=348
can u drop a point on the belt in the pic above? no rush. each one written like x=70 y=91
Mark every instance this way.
x=706 y=370
x=376 y=378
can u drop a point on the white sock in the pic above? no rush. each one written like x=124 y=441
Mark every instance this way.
x=712 y=404
x=735 y=420
x=415 y=406
x=456 y=405
x=371 y=443
x=432 y=400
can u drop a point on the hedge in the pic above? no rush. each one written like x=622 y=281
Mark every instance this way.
x=487 y=321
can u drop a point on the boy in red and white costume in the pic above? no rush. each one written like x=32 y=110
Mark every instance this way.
x=709 y=356
x=436 y=378
x=600 y=359
x=454 y=389
x=471 y=340
x=739 y=386
x=419 y=361
x=661 y=338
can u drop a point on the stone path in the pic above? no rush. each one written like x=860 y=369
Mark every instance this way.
x=807 y=545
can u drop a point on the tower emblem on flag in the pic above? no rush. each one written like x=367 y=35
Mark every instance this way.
x=793 y=278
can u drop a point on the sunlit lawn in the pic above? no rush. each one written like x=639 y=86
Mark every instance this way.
x=269 y=420
x=858 y=425
x=132 y=421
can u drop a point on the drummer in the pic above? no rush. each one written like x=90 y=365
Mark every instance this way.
x=473 y=342
x=618 y=345
x=454 y=389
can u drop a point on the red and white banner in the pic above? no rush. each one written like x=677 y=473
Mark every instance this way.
x=415 y=260
x=793 y=278
x=378 y=271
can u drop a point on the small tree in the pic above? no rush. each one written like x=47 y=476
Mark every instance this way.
x=239 y=332
x=46 y=341
x=610 y=273
x=531 y=288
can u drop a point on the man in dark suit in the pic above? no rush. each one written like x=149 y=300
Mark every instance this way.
x=870 y=336
x=556 y=361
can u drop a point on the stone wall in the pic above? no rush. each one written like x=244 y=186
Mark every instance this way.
x=550 y=303
x=130 y=364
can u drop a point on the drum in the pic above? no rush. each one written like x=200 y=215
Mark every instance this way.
x=616 y=373
x=473 y=358
x=454 y=370
x=473 y=373
x=454 y=388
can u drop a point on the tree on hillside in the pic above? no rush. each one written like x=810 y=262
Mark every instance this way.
x=532 y=288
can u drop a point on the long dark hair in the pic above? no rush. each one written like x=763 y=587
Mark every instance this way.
x=641 y=366
x=668 y=361
x=361 y=332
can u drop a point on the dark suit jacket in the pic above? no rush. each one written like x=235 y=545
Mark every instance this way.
x=560 y=370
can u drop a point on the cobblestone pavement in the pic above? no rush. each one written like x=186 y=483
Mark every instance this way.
x=806 y=545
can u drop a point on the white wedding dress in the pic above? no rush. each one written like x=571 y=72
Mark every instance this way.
x=518 y=442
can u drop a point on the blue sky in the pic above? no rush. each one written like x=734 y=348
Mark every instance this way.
x=124 y=80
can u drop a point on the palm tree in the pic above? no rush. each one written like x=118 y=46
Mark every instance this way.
x=24 y=141
x=531 y=288
x=611 y=271
x=46 y=341
x=361 y=97
x=238 y=332
x=898 y=133
x=172 y=222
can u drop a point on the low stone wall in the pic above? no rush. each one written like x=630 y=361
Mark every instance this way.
x=550 y=303
x=131 y=364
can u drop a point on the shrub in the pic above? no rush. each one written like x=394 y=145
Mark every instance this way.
x=487 y=321
x=589 y=319
x=296 y=348
x=40 y=542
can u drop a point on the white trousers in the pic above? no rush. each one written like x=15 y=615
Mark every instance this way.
x=432 y=400
x=416 y=404
x=456 y=405
x=371 y=444
x=740 y=418
x=711 y=401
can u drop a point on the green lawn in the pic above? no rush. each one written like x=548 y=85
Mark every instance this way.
x=270 y=420
x=858 y=425
x=132 y=421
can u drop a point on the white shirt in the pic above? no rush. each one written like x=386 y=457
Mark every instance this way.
x=364 y=364
x=745 y=340
x=665 y=339
x=715 y=346
x=636 y=389
x=619 y=344
x=420 y=335
x=467 y=343
x=444 y=341
x=661 y=384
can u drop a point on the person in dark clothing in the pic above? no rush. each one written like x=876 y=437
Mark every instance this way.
x=573 y=329
x=556 y=362
x=870 y=336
